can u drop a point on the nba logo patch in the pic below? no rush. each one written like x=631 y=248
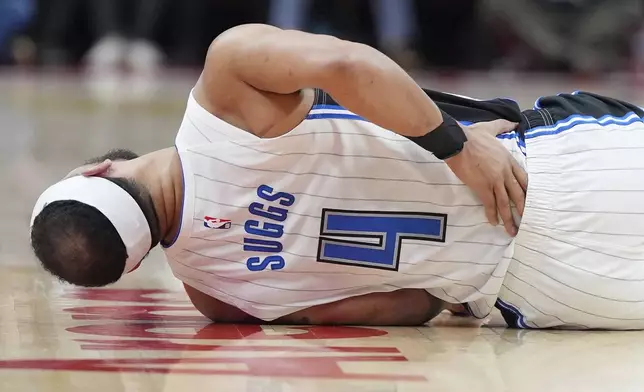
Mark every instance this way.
x=216 y=223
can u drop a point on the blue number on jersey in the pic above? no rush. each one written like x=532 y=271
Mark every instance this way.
x=373 y=239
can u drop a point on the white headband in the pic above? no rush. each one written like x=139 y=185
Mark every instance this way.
x=112 y=201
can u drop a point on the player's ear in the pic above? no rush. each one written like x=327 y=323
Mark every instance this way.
x=98 y=170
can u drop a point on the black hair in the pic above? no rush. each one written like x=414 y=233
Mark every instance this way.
x=117 y=154
x=78 y=244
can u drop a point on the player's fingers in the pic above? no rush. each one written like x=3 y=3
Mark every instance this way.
x=503 y=205
x=520 y=175
x=496 y=127
x=504 y=126
x=458 y=310
x=98 y=169
x=515 y=191
x=489 y=202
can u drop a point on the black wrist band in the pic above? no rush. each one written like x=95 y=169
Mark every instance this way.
x=445 y=141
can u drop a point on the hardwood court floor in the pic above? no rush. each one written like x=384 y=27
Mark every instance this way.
x=143 y=335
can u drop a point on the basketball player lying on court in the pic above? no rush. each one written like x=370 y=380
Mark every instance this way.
x=313 y=181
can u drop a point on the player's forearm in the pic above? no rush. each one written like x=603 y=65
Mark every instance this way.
x=373 y=86
x=405 y=307
x=359 y=77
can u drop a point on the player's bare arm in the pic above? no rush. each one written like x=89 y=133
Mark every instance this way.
x=401 y=307
x=405 y=307
x=254 y=66
x=269 y=59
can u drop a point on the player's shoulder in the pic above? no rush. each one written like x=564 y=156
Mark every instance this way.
x=218 y=89
x=229 y=44
x=240 y=35
x=229 y=48
x=249 y=29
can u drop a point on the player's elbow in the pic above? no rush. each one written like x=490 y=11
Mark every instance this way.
x=334 y=64
x=349 y=65
x=215 y=310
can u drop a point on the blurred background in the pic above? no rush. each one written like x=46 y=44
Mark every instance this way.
x=586 y=37
x=78 y=77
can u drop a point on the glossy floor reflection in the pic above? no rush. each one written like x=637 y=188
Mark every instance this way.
x=143 y=335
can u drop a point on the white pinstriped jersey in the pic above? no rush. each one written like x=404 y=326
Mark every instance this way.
x=579 y=254
x=337 y=207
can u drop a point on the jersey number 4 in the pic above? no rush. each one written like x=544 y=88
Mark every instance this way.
x=373 y=239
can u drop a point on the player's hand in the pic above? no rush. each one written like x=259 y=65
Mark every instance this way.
x=92 y=170
x=491 y=172
x=457 y=310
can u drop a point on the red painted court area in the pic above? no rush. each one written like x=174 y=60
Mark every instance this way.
x=160 y=326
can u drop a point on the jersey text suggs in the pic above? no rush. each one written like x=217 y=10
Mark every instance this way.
x=264 y=232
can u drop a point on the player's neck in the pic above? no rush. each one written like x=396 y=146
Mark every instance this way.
x=162 y=175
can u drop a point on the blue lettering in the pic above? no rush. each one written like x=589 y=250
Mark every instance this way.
x=257 y=245
x=274 y=213
x=257 y=264
x=270 y=230
x=265 y=192
x=389 y=228
x=264 y=236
